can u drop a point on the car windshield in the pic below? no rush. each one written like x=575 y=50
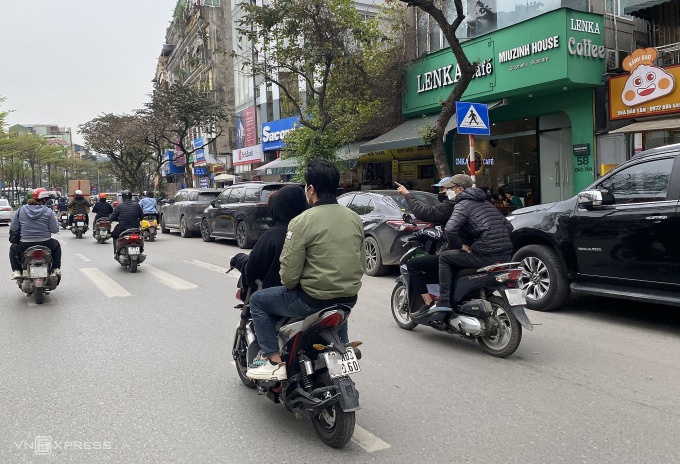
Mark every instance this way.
x=207 y=196
x=4 y=203
x=397 y=201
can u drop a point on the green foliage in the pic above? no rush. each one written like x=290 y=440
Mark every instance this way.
x=426 y=131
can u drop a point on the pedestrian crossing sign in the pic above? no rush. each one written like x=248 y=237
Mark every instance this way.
x=472 y=118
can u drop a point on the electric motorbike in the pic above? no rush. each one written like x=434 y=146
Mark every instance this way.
x=129 y=247
x=63 y=219
x=102 y=229
x=149 y=227
x=488 y=303
x=318 y=366
x=36 y=278
x=79 y=226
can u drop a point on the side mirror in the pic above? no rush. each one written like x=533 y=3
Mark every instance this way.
x=408 y=218
x=588 y=199
x=212 y=203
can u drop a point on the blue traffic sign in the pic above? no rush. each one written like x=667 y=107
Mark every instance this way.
x=472 y=118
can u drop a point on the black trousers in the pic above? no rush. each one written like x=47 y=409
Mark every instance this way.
x=453 y=261
x=16 y=252
x=422 y=271
x=87 y=219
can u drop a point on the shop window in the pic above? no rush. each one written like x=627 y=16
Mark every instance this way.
x=427 y=172
x=641 y=183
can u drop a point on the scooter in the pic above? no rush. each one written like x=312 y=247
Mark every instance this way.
x=79 y=226
x=129 y=247
x=149 y=227
x=63 y=219
x=36 y=279
x=488 y=304
x=102 y=229
x=318 y=367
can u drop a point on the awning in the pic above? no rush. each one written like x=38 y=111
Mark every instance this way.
x=262 y=170
x=636 y=6
x=404 y=135
x=649 y=126
x=224 y=178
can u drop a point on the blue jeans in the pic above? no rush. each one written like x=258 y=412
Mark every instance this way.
x=269 y=305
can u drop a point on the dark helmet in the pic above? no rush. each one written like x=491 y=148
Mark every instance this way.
x=126 y=195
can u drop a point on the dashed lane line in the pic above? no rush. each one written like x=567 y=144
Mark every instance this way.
x=168 y=279
x=82 y=257
x=369 y=442
x=212 y=267
x=105 y=284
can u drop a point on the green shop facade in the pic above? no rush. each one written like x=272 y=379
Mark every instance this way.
x=538 y=78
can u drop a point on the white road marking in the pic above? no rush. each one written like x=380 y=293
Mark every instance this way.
x=233 y=363
x=82 y=257
x=212 y=267
x=105 y=284
x=368 y=441
x=169 y=279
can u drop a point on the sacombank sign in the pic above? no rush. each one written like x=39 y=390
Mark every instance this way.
x=274 y=132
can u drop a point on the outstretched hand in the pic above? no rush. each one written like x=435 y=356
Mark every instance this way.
x=401 y=189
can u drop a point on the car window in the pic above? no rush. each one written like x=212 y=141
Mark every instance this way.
x=223 y=197
x=207 y=196
x=268 y=191
x=362 y=204
x=236 y=194
x=640 y=183
x=252 y=195
x=345 y=199
x=4 y=203
x=193 y=196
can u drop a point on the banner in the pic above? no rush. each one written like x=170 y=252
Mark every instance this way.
x=248 y=155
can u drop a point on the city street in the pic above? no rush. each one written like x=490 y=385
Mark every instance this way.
x=119 y=367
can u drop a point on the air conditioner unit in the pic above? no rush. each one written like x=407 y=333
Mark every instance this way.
x=610 y=60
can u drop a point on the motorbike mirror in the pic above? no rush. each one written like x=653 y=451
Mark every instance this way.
x=408 y=218
x=212 y=203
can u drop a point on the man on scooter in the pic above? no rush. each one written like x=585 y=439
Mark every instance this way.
x=101 y=209
x=322 y=262
x=128 y=214
x=490 y=231
x=79 y=205
x=149 y=205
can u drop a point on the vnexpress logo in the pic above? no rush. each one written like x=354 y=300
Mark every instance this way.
x=42 y=445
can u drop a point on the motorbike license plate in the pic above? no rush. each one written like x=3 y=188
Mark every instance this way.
x=38 y=272
x=133 y=250
x=80 y=223
x=515 y=297
x=342 y=365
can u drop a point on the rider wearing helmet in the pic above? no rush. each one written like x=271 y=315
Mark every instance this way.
x=101 y=209
x=36 y=224
x=128 y=214
x=79 y=205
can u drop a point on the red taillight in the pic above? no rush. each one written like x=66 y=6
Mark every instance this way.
x=405 y=226
x=134 y=237
x=80 y=218
x=331 y=321
x=6 y=209
x=515 y=274
x=104 y=224
x=238 y=294
x=38 y=255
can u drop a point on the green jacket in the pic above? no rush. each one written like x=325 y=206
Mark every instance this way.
x=324 y=252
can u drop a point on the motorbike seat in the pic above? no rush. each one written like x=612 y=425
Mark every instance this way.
x=130 y=232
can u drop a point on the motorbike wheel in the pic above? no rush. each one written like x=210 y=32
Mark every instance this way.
x=39 y=295
x=505 y=337
x=133 y=265
x=400 y=307
x=241 y=362
x=152 y=237
x=79 y=233
x=101 y=240
x=334 y=426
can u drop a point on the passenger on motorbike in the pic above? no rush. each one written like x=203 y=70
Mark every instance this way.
x=79 y=205
x=263 y=262
x=490 y=231
x=101 y=209
x=37 y=223
x=62 y=205
x=149 y=205
x=322 y=262
x=128 y=214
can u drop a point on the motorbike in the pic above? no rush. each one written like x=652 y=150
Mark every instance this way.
x=102 y=229
x=36 y=279
x=318 y=365
x=79 y=226
x=63 y=219
x=488 y=303
x=129 y=249
x=149 y=226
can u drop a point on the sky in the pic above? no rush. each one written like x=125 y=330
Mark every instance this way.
x=65 y=62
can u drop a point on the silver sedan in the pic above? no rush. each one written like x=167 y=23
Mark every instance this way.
x=6 y=211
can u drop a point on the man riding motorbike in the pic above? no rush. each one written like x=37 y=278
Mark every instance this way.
x=128 y=214
x=61 y=204
x=149 y=205
x=322 y=262
x=490 y=231
x=79 y=205
x=37 y=223
x=101 y=209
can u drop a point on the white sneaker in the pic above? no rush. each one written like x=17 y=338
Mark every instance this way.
x=16 y=275
x=56 y=272
x=268 y=371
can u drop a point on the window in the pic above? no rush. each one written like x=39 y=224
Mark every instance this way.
x=207 y=196
x=252 y=195
x=193 y=196
x=345 y=199
x=236 y=194
x=616 y=7
x=182 y=195
x=222 y=198
x=641 y=183
x=267 y=192
x=362 y=204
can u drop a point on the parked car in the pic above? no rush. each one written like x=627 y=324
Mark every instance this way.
x=119 y=199
x=617 y=238
x=185 y=209
x=239 y=212
x=6 y=211
x=382 y=212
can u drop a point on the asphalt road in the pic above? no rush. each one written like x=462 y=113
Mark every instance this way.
x=136 y=368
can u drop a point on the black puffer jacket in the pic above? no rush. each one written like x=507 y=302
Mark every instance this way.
x=128 y=214
x=263 y=262
x=438 y=214
x=475 y=215
x=102 y=208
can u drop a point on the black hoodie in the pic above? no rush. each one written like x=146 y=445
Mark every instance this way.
x=263 y=262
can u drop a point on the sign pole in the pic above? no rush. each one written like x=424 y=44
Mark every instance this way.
x=472 y=159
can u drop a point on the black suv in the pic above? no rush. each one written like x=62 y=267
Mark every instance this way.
x=239 y=212
x=620 y=237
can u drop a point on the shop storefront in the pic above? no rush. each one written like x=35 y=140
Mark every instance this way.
x=538 y=78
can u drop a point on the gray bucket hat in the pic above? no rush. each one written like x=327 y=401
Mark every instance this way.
x=459 y=180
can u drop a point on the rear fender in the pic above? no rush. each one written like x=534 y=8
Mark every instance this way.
x=349 y=395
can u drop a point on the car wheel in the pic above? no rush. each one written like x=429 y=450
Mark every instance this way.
x=543 y=277
x=205 y=231
x=243 y=239
x=374 y=264
x=183 y=231
x=164 y=230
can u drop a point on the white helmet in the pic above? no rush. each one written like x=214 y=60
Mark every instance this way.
x=78 y=192
x=43 y=194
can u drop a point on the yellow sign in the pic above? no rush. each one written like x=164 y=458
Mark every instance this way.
x=647 y=91
x=408 y=153
x=408 y=171
x=605 y=168
x=395 y=169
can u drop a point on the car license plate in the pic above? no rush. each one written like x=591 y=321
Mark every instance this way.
x=515 y=297
x=38 y=271
x=80 y=224
x=133 y=250
x=342 y=365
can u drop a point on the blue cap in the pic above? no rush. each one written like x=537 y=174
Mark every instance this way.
x=442 y=182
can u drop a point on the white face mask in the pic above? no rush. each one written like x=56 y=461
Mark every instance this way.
x=451 y=194
x=308 y=195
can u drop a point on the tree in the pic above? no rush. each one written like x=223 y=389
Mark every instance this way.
x=181 y=110
x=436 y=136
x=327 y=62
